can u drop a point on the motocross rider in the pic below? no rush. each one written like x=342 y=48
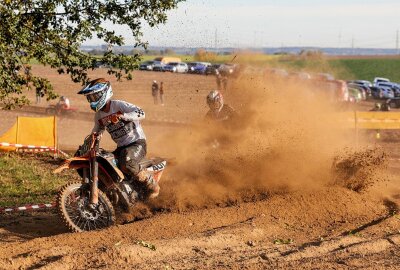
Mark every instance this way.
x=221 y=115
x=122 y=121
x=218 y=110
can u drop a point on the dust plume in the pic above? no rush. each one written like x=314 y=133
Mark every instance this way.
x=285 y=138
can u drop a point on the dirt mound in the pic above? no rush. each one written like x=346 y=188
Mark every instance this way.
x=359 y=170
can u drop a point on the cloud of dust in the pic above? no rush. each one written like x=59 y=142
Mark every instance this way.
x=285 y=138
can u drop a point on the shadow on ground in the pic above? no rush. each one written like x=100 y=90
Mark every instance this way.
x=28 y=225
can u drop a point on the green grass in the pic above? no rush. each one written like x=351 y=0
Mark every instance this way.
x=368 y=69
x=28 y=179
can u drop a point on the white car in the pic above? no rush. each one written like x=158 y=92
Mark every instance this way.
x=361 y=82
x=176 y=67
x=378 y=80
x=392 y=85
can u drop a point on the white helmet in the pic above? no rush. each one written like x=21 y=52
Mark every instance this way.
x=97 y=92
x=215 y=100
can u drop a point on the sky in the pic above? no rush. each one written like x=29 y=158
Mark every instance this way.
x=277 y=23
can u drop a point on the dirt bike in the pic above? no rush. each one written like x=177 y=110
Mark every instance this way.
x=61 y=111
x=91 y=203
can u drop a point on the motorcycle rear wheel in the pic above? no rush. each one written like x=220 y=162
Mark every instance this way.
x=75 y=213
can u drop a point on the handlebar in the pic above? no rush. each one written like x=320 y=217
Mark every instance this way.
x=90 y=145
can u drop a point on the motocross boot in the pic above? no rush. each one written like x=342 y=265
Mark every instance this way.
x=152 y=187
x=131 y=193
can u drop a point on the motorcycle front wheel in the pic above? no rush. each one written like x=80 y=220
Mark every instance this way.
x=73 y=205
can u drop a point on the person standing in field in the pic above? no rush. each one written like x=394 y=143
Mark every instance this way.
x=39 y=94
x=222 y=81
x=162 y=93
x=155 y=92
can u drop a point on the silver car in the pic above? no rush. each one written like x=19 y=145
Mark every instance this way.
x=176 y=67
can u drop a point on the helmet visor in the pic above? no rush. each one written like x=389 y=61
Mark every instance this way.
x=95 y=96
x=214 y=104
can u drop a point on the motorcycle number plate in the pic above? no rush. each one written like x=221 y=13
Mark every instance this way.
x=159 y=166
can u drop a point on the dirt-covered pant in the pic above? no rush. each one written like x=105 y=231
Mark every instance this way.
x=129 y=156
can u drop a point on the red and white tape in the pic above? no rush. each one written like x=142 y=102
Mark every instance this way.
x=63 y=153
x=28 y=207
x=17 y=145
x=34 y=148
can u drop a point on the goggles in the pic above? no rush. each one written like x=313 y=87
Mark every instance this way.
x=95 y=96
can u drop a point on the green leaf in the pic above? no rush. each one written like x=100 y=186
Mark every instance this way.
x=52 y=31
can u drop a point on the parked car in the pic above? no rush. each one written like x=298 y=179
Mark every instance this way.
x=379 y=79
x=355 y=95
x=228 y=69
x=394 y=86
x=176 y=67
x=365 y=90
x=158 y=66
x=361 y=82
x=198 y=67
x=211 y=70
x=381 y=92
x=100 y=64
x=148 y=65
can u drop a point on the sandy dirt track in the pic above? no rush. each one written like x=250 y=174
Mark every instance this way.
x=339 y=229
x=304 y=227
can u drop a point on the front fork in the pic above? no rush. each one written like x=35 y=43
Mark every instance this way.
x=91 y=176
x=94 y=185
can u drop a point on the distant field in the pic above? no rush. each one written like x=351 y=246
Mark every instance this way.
x=343 y=67
x=356 y=67
x=368 y=69
x=253 y=58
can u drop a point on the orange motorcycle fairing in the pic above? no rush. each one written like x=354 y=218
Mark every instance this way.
x=72 y=163
x=83 y=162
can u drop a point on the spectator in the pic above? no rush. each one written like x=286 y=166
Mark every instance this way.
x=162 y=93
x=39 y=94
x=28 y=73
x=155 y=91
x=63 y=104
x=222 y=81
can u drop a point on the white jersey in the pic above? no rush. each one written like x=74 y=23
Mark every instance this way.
x=125 y=131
